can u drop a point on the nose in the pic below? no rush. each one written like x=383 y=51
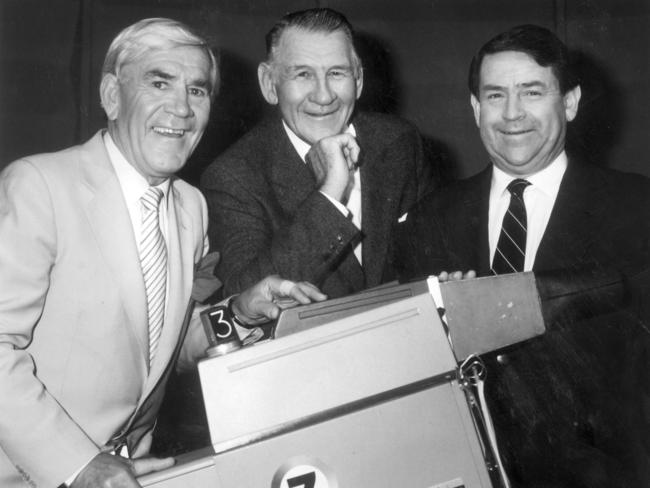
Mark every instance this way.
x=513 y=109
x=323 y=93
x=179 y=104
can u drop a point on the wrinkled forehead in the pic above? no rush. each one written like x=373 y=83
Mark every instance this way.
x=153 y=50
x=297 y=44
x=186 y=63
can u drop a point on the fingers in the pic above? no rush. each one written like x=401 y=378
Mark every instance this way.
x=285 y=287
x=266 y=310
x=304 y=293
x=146 y=465
x=289 y=294
x=351 y=152
x=456 y=275
x=312 y=292
x=265 y=300
x=332 y=160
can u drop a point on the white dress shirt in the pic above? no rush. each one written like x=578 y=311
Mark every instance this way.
x=539 y=198
x=133 y=186
x=353 y=207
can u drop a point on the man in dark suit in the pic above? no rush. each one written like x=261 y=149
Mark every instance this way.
x=567 y=406
x=311 y=194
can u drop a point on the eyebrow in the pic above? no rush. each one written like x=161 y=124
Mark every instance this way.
x=298 y=67
x=157 y=73
x=527 y=84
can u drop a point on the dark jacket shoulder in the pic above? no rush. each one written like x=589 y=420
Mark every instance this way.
x=374 y=124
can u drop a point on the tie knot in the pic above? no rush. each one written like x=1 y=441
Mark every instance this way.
x=517 y=187
x=151 y=198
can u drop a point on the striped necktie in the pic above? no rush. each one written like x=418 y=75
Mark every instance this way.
x=510 y=253
x=153 y=259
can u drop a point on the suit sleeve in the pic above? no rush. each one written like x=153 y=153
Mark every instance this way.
x=256 y=238
x=36 y=433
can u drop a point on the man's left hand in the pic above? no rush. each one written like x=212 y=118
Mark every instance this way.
x=264 y=301
x=456 y=276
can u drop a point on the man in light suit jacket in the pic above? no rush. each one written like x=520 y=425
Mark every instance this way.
x=313 y=191
x=82 y=370
x=567 y=406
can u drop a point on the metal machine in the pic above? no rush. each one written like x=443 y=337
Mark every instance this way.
x=362 y=392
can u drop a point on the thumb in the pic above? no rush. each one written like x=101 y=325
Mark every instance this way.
x=267 y=309
x=150 y=464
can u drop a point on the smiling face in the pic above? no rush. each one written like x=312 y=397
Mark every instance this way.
x=312 y=79
x=521 y=113
x=158 y=109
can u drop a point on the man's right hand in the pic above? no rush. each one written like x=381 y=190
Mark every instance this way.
x=108 y=471
x=333 y=160
x=264 y=301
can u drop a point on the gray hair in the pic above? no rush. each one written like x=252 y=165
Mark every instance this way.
x=155 y=33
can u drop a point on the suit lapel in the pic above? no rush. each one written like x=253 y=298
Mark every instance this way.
x=379 y=197
x=292 y=180
x=474 y=200
x=181 y=254
x=482 y=212
x=573 y=223
x=111 y=224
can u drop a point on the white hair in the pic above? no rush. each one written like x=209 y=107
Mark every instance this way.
x=155 y=33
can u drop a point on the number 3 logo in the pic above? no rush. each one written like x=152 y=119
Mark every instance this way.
x=223 y=328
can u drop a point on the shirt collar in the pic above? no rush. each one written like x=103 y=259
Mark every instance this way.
x=133 y=184
x=547 y=180
x=301 y=146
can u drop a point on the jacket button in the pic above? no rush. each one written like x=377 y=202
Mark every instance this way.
x=502 y=359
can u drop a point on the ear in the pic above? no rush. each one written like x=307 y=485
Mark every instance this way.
x=109 y=93
x=476 y=107
x=267 y=83
x=359 y=82
x=571 y=101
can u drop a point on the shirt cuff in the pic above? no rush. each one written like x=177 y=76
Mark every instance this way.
x=341 y=208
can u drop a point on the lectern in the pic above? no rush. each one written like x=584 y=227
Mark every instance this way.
x=362 y=391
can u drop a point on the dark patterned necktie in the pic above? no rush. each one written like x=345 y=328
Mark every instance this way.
x=510 y=253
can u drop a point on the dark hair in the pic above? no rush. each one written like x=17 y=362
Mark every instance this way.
x=539 y=43
x=314 y=20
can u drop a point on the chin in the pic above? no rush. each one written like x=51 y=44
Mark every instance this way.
x=322 y=133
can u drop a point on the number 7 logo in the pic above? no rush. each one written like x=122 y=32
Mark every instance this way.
x=307 y=480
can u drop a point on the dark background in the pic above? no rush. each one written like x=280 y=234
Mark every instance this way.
x=415 y=52
x=416 y=55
